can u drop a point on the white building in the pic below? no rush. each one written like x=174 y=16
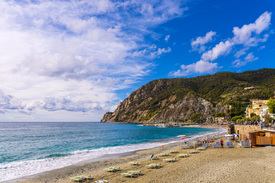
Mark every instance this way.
x=263 y=111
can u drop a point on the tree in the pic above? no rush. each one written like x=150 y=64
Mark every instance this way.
x=271 y=105
x=235 y=118
x=266 y=117
x=252 y=115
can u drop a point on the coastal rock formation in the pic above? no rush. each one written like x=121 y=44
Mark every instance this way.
x=197 y=99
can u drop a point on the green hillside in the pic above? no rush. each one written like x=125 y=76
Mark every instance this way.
x=223 y=88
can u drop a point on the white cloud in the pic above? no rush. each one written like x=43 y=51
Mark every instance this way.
x=246 y=37
x=63 y=56
x=223 y=48
x=198 y=67
x=248 y=59
x=167 y=38
x=151 y=52
x=241 y=52
x=160 y=51
x=198 y=44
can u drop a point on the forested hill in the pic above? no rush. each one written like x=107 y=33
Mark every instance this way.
x=185 y=99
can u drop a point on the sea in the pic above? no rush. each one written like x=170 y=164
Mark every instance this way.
x=30 y=148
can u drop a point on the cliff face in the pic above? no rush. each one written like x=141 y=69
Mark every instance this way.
x=169 y=100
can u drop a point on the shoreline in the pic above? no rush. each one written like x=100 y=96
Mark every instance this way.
x=213 y=165
x=97 y=165
x=134 y=153
x=102 y=162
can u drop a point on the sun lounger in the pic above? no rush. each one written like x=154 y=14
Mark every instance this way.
x=112 y=169
x=182 y=155
x=201 y=148
x=189 y=146
x=173 y=151
x=170 y=160
x=163 y=154
x=229 y=144
x=77 y=178
x=153 y=165
x=128 y=175
x=136 y=172
x=217 y=145
x=81 y=178
x=134 y=163
x=102 y=181
x=193 y=152
x=245 y=144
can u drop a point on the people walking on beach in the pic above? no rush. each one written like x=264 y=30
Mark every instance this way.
x=221 y=142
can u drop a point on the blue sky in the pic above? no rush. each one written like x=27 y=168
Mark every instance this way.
x=75 y=60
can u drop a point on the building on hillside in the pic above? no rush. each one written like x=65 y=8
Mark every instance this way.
x=263 y=111
x=249 y=88
x=255 y=107
x=218 y=120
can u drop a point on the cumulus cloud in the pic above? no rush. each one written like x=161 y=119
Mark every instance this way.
x=9 y=102
x=198 y=44
x=198 y=67
x=245 y=37
x=73 y=55
x=222 y=48
x=167 y=38
x=248 y=34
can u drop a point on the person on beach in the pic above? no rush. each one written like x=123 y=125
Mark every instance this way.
x=221 y=142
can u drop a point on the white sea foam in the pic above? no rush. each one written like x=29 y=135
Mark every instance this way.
x=181 y=135
x=20 y=169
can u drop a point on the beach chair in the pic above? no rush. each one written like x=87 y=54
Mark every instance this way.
x=229 y=144
x=136 y=172
x=185 y=147
x=202 y=148
x=170 y=160
x=182 y=155
x=81 y=178
x=112 y=169
x=193 y=152
x=134 y=163
x=217 y=145
x=189 y=146
x=173 y=151
x=102 y=181
x=153 y=165
x=245 y=144
x=127 y=174
x=163 y=154
x=77 y=179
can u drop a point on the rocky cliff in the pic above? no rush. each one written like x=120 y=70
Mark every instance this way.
x=170 y=100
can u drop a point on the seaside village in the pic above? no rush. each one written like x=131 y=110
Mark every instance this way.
x=244 y=135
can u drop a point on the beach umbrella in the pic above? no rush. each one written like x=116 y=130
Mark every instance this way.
x=183 y=138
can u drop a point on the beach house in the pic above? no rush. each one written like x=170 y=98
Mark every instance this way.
x=255 y=107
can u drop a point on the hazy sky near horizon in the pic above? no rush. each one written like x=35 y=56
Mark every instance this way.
x=74 y=60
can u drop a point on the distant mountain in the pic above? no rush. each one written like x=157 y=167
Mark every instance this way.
x=199 y=98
